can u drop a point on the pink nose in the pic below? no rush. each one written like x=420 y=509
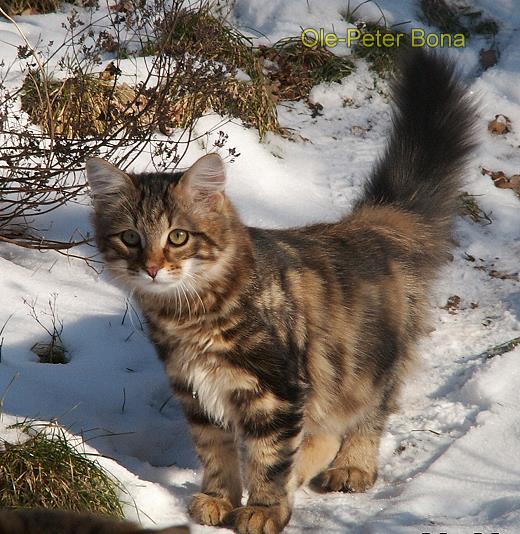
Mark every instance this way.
x=152 y=270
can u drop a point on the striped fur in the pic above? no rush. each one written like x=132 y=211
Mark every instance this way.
x=293 y=342
x=42 y=521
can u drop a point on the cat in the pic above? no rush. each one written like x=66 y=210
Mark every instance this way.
x=294 y=342
x=43 y=521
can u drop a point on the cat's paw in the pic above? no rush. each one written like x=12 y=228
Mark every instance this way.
x=259 y=519
x=208 y=510
x=347 y=479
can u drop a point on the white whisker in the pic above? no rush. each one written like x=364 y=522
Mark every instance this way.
x=190 y=278
x=186 y=297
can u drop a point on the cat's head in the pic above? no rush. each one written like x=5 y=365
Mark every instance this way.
x=159 y=232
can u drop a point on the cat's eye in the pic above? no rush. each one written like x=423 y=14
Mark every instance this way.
x=178 y=237
x=130 y=238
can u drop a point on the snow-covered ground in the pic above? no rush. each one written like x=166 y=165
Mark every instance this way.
x=450 y=461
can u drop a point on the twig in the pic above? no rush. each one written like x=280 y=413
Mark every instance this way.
x=1 y=332
x=427 y=430
x=124 y=401
x=15 y=376
x=500 y=349
x=41 y=69
x=163 y=405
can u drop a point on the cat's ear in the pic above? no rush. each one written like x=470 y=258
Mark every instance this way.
x=106 y=180
x=202 y=185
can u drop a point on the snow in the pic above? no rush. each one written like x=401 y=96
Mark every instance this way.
x=450 y=459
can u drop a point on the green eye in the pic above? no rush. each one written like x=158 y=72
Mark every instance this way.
x=131 y=238
x=178 y=237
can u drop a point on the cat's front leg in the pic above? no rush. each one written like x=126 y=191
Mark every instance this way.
x=272 y=440
x=221 y=489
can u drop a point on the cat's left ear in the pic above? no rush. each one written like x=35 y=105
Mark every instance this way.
x=202 y=185
x=106 y=180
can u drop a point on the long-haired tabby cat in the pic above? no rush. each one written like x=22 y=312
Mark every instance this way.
x=294 y=342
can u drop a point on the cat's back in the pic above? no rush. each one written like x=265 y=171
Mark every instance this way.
x=362 y=242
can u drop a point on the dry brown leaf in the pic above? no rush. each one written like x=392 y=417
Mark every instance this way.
x=515 y=182
x=452 y=305
x=123 y=6
x=502 y=181
x=500 y=125
x=110 y=72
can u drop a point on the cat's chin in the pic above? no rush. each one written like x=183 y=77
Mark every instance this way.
x=156 y=287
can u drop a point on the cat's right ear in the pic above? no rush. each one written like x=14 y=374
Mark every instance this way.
x=106 y=181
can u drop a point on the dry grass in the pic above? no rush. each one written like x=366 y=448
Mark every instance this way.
x=82 y=106
x=205 y=55
x=53 y=352
x=198 y=32
x=458 y=17
x=87 y=106
x=295 y=68
x=47 y=471
x=18 y=7
x=445 y=17
x=211 y=41
x=248 y=101
x=292 y=72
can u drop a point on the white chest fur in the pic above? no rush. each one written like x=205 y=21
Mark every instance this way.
x=212 y=387
x=213 y=382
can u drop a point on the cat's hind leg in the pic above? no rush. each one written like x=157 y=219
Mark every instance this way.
x=354 y=469
x=315 y=454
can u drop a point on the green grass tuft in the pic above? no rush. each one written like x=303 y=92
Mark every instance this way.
x=47 y=471
x=469 y=207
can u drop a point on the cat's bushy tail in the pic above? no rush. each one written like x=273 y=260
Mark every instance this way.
x=432 y=138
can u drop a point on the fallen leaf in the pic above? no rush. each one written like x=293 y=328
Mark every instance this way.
x=515 y=182
x=123 y=6
x=452 y=305
x=359 y=131
x=110 y=72
x=503 y=276
x=500 y=125
x=502 y=181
